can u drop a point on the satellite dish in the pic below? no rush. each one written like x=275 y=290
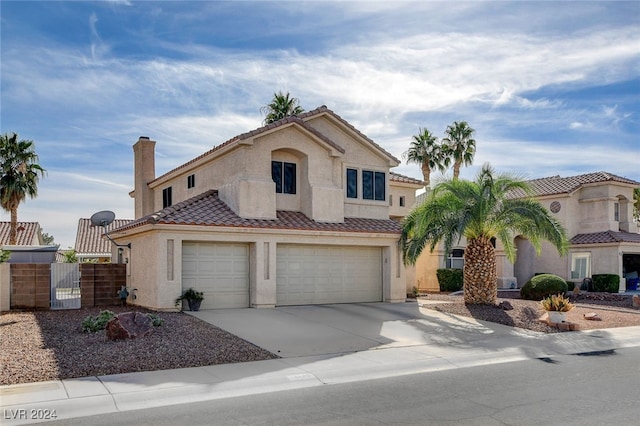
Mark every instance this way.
x=103 y=218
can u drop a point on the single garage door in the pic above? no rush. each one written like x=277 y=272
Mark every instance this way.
x=308 y=274
x=219 y=270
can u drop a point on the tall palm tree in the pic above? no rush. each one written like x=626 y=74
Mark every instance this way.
x=426 y=152
x=459 y=145
x=281 y=106
x=480 y=211
x=19 y=176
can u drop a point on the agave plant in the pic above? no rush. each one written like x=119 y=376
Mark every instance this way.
x=556 y=302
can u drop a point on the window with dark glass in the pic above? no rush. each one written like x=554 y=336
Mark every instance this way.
x=367 y=185
x=166 y=197
x=379 y=186
x=401 y=201
x=284 y=175
x=191 y=181
x=373 y=185
x=352 y=183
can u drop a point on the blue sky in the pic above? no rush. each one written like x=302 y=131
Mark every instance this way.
x=550 y=87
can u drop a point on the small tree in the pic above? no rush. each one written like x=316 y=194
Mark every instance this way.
x=69 y=256
x=48 y=239
x=281 y=106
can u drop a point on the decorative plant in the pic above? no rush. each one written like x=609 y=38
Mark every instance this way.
x=99 y=322
x=556 y=302
x=190 y=294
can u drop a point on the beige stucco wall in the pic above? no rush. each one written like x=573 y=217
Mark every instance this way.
x=242 y=174
x=157 y=289
x=397 y=190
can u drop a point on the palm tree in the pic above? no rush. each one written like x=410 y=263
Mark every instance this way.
x=19 y=176
x=281 y=106
x=480 y=211
x=459 y=145
x=426 y=151
x=636 y=204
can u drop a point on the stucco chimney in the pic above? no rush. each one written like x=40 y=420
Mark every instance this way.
x=144 y=171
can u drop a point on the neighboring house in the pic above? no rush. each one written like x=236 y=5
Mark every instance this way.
x=28 y=234
x=300 y=211
x=597 y=211
x=91 y=244
x=29 y=247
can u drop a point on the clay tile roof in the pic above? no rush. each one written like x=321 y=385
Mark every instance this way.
x=90 y=240
x=207 y=209
x=397 y=177
x=559 y=185
x=27 y=233
x=606 y=237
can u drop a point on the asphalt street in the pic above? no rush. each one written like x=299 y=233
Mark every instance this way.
x=596 y=388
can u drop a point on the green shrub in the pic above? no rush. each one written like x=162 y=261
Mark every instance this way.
x=609 y=283
x=541 y=286
x=450 y=280
x=97 y=323
x=155 y=320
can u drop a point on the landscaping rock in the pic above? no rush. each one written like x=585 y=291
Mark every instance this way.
x=129 y=325
x=505 y=305
x=636 y=301
x=592 y=316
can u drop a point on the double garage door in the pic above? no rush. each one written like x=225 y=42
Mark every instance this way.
x=306 y=274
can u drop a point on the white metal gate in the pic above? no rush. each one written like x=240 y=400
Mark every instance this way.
x=65 y=286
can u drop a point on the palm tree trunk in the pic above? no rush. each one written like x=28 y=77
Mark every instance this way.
x=480 y=278
x=13 y=230
x=426 y=173
x=456 y=169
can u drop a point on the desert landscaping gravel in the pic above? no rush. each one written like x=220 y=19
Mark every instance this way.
x=50 y=345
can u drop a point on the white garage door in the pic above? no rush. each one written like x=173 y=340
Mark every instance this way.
x=308 y=274
x=220 y=271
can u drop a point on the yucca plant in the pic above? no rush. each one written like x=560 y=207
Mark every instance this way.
x=556 y=302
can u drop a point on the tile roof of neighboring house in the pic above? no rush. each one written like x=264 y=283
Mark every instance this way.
x=208 y=210
x=299 y=119
x=559 y=185
x=26 y=233
x=606 y=237
x=397 y=177
x=89 y=238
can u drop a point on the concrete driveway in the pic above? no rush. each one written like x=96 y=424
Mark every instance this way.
x=294 y=331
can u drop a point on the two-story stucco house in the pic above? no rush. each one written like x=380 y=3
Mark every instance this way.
x=300 y=211
x=597 y=211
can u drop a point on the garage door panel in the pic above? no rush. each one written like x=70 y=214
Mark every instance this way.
x=219 y=270
x=309 y=274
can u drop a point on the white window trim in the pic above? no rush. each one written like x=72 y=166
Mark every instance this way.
x=578 y=256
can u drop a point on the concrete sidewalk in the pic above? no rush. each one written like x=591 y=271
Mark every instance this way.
x=319 y=346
